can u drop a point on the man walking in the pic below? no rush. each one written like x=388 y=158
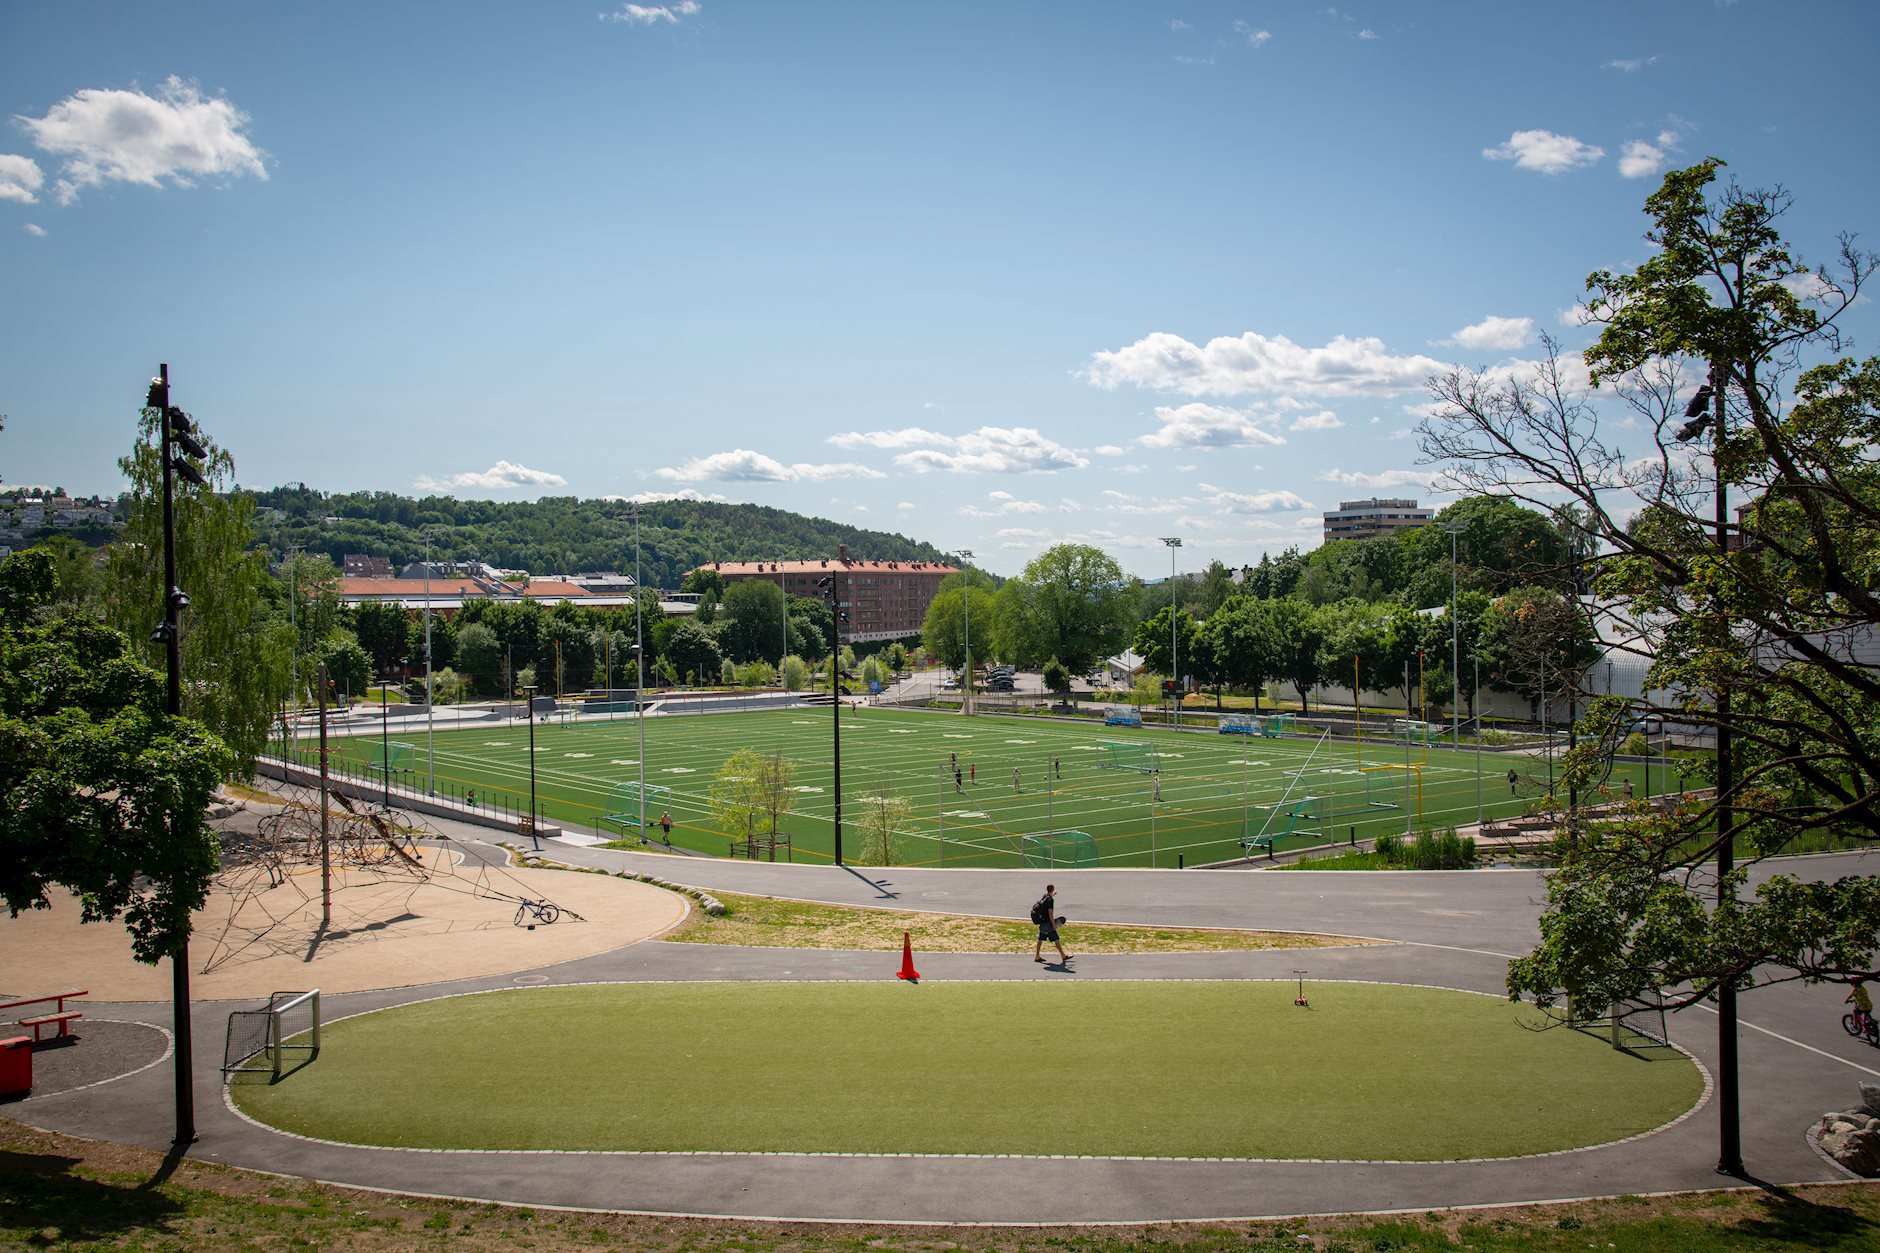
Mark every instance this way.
x=1015 y=778
x=956 y=780
x=1511 y=780
x=1044 y=913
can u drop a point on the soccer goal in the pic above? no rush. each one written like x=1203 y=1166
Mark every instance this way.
x=1239 y=724
x=289 y=1024
x=1059 y=848
x=387 y=758
x=1275 y=725
x=1412 y=731
x=1122 y=716
x=623 y=805
x=1114 y=756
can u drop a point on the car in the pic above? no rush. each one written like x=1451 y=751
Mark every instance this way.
x=949 y=685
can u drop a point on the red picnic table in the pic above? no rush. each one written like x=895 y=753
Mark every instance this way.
x=61 y=1015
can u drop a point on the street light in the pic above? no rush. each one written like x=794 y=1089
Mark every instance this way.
x=828 y=585
x=177 y=444
x=639 y=668
x=430 y=754
x=1174 y=662
x=966 y=601
x=1706 y=410
x=1455 y=656
x=528 y=706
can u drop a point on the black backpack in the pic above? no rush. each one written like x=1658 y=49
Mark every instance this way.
x=1041 y=910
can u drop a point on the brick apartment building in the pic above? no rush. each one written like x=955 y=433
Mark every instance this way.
x=886 y=600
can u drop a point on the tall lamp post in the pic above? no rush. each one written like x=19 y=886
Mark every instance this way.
x=528 y=711
x=639 y=669
x=1174 y=662
x=178 y=447
x=966 y=603
x=1706 y=410
x=828 y=585
x=430 y=754
x=1455 y=653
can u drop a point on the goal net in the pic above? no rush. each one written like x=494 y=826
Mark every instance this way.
x=387 y=758
x=1239 y=724
x=1059 y=848
x=289 y=1026
x=623 y=805
x=1136 y=757
x=1411 y=731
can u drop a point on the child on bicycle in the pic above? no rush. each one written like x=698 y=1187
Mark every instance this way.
x=1862 y=1002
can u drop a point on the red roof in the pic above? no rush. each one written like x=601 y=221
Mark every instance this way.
x=936 y=569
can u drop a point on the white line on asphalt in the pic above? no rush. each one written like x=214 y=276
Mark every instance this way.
x=1798 y=1044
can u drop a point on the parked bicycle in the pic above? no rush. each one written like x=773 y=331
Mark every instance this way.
x=544 y=912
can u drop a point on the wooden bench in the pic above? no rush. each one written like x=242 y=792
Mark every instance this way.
x=61 y=1015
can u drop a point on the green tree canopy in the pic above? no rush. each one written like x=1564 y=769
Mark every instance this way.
x=1070 y=605
x=104 y=792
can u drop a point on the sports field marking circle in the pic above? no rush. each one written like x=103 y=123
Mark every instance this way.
x=1159 y=1069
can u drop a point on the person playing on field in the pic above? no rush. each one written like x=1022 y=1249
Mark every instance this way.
x=956 y=780
x=1015 y=778
x=1044 y=913
x=665 y=828
x=1512 y=777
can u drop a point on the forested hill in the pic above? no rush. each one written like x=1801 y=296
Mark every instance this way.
x=562 y=534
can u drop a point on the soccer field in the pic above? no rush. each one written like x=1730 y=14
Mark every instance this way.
x=1163 y=798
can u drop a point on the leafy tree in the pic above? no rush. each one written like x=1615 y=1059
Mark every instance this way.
x=886 y=824
x=309 y=583
x=963 y=601
x=237 y=655
x=1299 y=632
x=751 y=793
x=449 y=688
x=690 y=650
x=1240 y=641
x=480 y=658
x=104 y=792
x=1057 y=677
x=348 y=668
x=1070 y=605
x=707 y=582
x=1536 y=644
x=1217 y=588
x=897 y=657
x=795 y=673
x=1153 y=639
x=751 y=620
x=380 y=627
x=1760 y=637
x=80 y=581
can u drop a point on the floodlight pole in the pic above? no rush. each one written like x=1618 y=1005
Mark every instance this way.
x=170 y=632
x=528 y=708
x=430 y=754
x=385 y=742
x=639 y=670
x=828 y=584
x=1174 y=662
x=1455 y=654
x=966 y=603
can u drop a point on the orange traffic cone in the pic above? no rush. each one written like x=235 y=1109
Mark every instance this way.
x=907 y=970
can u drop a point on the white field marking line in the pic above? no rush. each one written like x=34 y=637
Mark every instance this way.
x=169 y=1051
x=1798 y=1044
x=229 y=1103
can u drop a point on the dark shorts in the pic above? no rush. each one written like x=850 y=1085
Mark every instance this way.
x=1047 y=931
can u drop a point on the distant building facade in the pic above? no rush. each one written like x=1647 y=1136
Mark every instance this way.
x=886 y=600
x=1366 y=519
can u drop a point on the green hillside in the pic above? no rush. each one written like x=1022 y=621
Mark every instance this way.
x=561 y=534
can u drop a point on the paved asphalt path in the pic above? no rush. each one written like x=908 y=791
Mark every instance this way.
x=1453 y=930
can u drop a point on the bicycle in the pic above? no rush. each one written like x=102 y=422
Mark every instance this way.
x=1861 y=1027
x=544 y=912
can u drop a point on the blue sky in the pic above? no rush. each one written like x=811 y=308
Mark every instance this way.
x=991 y=275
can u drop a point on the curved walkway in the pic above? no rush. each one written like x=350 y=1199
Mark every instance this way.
x=1454 y=930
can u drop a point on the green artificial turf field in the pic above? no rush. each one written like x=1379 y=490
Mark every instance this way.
x=1112 y=1068
x=1213 y=788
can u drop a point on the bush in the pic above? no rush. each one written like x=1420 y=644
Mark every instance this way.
x=1431 y=850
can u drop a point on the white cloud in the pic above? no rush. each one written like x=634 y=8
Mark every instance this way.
x=1254 y=363
x=1186 y=469
x=501 y=476
x=1110 y=450
x=1198 y=425
x=1021 y=532
x=906 y=437
x=1575 y=315
x=20 y=178
x=1638 y=159
x=1494 y=332
x=684 y=493
x=648 y=14
x=1388 y=479
x=996 y=450
x=1253 y=36
x=1113 y=493
x=1545 y=152
x=126 y=136
x=1367 y=34
x=1008 y=503
x=1629 y=65
x=1179 y=25
x=741 y=465
x=1324 y=420
x=1258 y=502
x=35 y=230
x=1809 y=286
x=905 y=505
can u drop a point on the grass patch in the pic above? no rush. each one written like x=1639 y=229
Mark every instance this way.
x=1339 y=861
x=1184 y=1068
x=764 y=922
x=56 y=1191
